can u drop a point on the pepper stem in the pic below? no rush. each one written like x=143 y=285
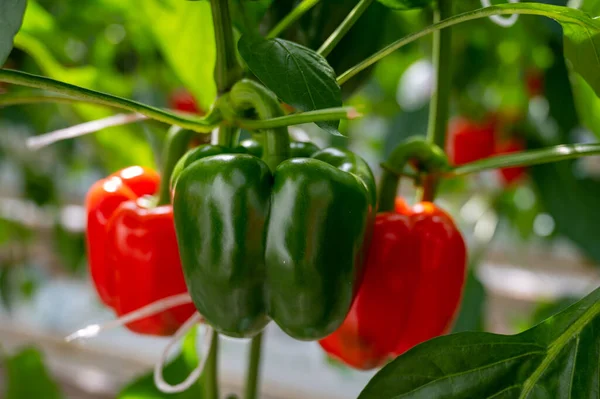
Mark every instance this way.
x=175 y=146
x=210 y=376
x=247 y=94
x=252 y=379
x=440 y=100
x=429 y=157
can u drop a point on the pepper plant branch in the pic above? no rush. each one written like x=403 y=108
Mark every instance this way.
x=252 y=381
x=227 y=69
x=209 y=380
x=7 y=99
x=292 y=17
x=67 y=93
x=344 y=27
x=321 y=115
x=528 y=158
x=504 y=9
x=201 y=125
x=439 y=107
x=563 y=152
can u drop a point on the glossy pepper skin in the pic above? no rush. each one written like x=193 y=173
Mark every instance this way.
x=411 y=289
x=133 y=253
x=298 y=149
x=258 y=244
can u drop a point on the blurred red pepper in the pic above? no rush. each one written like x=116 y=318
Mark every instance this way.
x=469 y=141
x=182 y=100
x=411 y=290
x=510 y=176
x=132 y=248
x=534 y=82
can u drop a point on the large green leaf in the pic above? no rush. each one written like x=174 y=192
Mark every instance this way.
x=11 y=17
x=184 y=32
x=175 y=372
x=28 y=378
x=556 y=359
x=297 y=74
x=405 y=4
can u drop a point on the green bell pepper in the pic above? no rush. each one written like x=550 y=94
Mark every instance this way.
x=262 y=239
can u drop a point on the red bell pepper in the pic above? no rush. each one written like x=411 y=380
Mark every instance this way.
x=132 y=248
x=469 y=141
x=411 y=289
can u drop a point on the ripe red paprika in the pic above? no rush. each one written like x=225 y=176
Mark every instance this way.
x=510 y=176
x=469 y=141
x=132 y=249
x=182 y=100
x=411 y=289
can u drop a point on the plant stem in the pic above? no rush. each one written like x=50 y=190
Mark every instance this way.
x=210 y=375
x=328 y=114
x=439 y=107
x=554 y=12
x=252 y=379
x=227 y=69
x=175 y=146
x=344 y=27
x=228 y=136
x=201 y=125
x=528 y=158
x=292 y=17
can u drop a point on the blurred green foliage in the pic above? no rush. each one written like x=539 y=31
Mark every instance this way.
x=27 y=377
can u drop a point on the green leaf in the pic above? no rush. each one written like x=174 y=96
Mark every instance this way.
x=175 y=372
x=184 y=33
x=28 y=378
x=11 y=17
x=298 y=75
x=405 y=4
x=588 y=104
x=556 y=359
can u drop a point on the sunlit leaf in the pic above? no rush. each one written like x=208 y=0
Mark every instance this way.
x=184 y=33
x=405 y=4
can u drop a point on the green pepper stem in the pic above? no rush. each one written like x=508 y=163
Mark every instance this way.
x=344 y=27
x=228 y=136
x=210 y=376
x=292 y=17
x=252 y=379
x=227 y=69
x=247 y=94
x=175 y=146
x=429 y=157
x=439 y=108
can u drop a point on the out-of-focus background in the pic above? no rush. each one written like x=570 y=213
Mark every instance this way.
x=532 y=234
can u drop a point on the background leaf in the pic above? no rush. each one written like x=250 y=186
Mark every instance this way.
x=11 y=17
x=298 y=75
x=405 y=4
x=28 y=378
x=186 y=39
x=556 y=359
